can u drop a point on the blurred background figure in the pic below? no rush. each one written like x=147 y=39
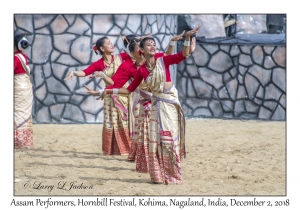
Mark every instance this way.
x=23 y=97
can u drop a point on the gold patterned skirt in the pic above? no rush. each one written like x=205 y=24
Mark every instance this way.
x=23 y=98
x=115 y=135
x=166 y=139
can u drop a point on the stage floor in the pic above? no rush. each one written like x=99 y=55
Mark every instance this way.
x=224 y=157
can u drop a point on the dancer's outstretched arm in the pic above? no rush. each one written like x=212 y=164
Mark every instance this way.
x=111 y=91
x=102 y=93
x=103 y=76
x=75 y=73
x=186 y=49
x=173 y=41
x=142 y=37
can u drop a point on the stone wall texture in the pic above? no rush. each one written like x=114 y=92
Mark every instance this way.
x=217 y=81
x=234 y=81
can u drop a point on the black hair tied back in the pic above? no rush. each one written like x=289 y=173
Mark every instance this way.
x=21 y=42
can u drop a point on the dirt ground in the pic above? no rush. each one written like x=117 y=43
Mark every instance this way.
x=224 y=157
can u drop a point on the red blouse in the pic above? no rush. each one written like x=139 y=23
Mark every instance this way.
x=143 y=72
x=18 y=68
x=125 y=72
x=100 y=66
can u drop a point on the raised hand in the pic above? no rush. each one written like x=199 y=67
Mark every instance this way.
x=189 y=47
x=178 y=37
x=99 y=74
x=143 y=37
x=102 y=96
x=91 y=91
x=193 y=31
x=70 y=75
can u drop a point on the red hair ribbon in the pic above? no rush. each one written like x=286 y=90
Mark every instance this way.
x=95 y=48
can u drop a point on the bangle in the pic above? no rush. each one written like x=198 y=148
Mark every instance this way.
x=75 y=73
x=186 y=43
x=115 y=90
x=100 y=91
x=172 y=43
x=103 y=75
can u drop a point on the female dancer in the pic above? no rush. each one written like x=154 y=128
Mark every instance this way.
x=167 y=123
x=115 y=134
x=125 y=72
x=23 y=97
x=141 y=105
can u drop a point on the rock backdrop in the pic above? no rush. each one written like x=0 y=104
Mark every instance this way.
x=218 y=81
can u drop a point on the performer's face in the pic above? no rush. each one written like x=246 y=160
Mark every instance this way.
x=149 y=47
x=107 y=47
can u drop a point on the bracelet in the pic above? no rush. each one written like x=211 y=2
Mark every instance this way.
x=115 y=90
x=100 y=91
x=172 y=43
x=186 y=43
x=75 y=73
x=103 y=75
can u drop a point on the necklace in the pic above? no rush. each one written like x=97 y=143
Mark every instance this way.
x=107 y=62
x=150 y=66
